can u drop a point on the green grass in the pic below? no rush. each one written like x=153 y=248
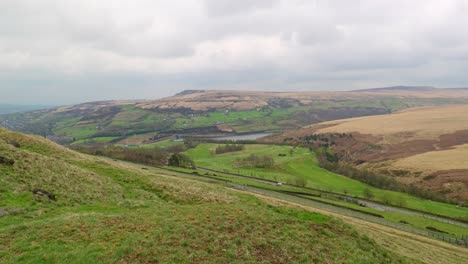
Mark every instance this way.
x=77 y=131
x=248 y=232
x=116 y=212
x=303 y=163
x=94 y=140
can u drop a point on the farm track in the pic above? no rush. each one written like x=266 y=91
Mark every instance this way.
x=369 y=204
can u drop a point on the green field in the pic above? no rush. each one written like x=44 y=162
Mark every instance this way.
x=303 y=163
x=94 y=140
x=162 y=144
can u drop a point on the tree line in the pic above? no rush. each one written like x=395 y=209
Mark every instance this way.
x=255 y=161
x=155 y=156
x=229 y=148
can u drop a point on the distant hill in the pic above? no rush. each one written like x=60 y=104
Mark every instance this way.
x=217 y=112
x=399 y=88
x=204 y=100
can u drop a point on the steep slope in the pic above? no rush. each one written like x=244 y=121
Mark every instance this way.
x=60 y=206
x=219 y=112
x=424 y=146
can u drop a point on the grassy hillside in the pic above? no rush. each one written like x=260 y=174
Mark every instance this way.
x=425 y=147
x=114 y=212
x=302 y=163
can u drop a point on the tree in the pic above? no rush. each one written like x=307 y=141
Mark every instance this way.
x=367 y=193
x=388 y=199
x=401 y=201
x=181 y=160
x=301 y=182
x=190 y=143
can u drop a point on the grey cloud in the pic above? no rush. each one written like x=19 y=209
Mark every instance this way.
x=86 y=49
x=230 y=7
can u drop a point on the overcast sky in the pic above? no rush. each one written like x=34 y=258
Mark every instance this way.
x=66 y=51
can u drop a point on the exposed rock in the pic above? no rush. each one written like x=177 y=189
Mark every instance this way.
x=3 y=212
x=14 y=143
x=6 y=161
x=50 y=195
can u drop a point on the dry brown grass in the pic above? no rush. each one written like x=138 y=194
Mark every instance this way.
x=426 y=123
x=450 y=159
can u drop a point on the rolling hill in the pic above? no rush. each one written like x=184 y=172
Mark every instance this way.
x=425 y=147
x=217 y=112
x=61 y=206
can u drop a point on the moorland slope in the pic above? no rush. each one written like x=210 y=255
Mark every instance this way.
x=426 y=147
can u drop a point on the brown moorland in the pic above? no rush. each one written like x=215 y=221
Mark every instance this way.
x=203 y=100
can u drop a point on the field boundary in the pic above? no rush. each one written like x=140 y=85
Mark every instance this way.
x=370 y=203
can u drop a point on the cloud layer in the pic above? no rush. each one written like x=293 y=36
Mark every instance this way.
x=55 y=51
